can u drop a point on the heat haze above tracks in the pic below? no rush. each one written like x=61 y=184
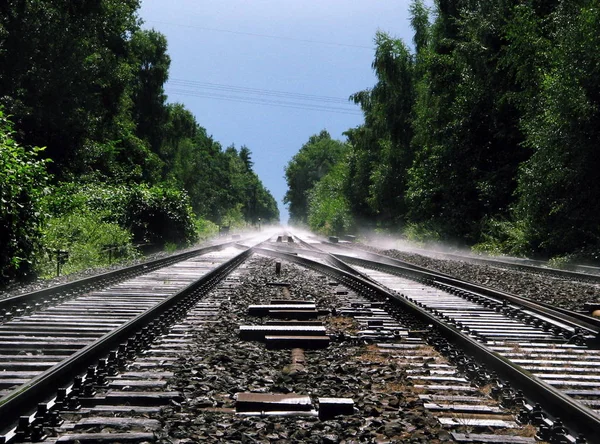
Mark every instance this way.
x=579 y=272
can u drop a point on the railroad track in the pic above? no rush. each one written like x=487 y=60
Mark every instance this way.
x=228 y=405
x=47 y=337
x=575 y=272
x=551 y=350
x=126 y=403
x=422 y=347
x=584 y=273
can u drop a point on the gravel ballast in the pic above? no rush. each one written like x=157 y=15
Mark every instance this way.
x=219 y=365
x=546 y=287
x=19 y=288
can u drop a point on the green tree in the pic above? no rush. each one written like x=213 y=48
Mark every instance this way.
x=467 y=136
x=259 y=203
x=558 y=187
x=363 y=155
x=383 y=145
x=219 y=182
x=419 y=21
x=65 y=72
x=328 y=208
x=23 y=178
x=244 y=187
x=246 y=157
x=84 y=80
x=151 y=70
x=180 y=134
x=306 y=168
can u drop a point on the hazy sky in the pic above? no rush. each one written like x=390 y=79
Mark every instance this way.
x=268 y=74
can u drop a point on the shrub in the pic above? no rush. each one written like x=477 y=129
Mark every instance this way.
x=422 y=232
x=154 y=215
x=328 y=209
x=234 y=217
x=205 y=228
x=89 y=240
x=23 y=178
x=499 y=236
x=159 y=215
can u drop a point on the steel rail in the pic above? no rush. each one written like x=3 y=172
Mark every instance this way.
x=592 y=276
x=110 y=276
x=307 y=245
x=569 y=271
x=26 y=397
x=332 y=259
x=575 y=415
x=380 y=258
x=394 y=266
x=575 y=319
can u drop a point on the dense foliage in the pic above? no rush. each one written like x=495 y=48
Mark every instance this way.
x=22 y=180
x=83 y=80
x=486 y=133
x=329 y=209
x=307 y=167
x=88 y=239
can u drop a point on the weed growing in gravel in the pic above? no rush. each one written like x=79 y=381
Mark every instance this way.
x=425 y=350
x=515 y=347
x=527 y=431
x=394 y=387
x=486 y=389
x=466 y=423
x=372 y=354
x=343 y=324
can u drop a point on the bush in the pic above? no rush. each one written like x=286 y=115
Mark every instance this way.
x=159 y=215
x=89 y=241
x=154 y=215
x=422 y=233
x=205 y=228
x=500 y=236
x=328 y=209
x=23 y=178
x=234 y=217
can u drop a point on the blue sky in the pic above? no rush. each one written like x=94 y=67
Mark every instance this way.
x=268 y=74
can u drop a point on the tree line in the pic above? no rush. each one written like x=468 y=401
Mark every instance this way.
x=485 y=133
x=84 y=81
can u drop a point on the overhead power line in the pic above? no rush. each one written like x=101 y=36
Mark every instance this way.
x=192 y=84
x=259 y=96
x=266 y=102
x=253 y=34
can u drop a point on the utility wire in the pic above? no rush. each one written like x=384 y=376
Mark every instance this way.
x=195 y=85
x=261 y=96
x=267 y=102
x=263 y=101
x=320 y=42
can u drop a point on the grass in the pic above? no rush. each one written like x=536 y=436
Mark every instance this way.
x=371 y=354
x=344 y=324
x=170 y=247
x=486 y=389
x=89 y=241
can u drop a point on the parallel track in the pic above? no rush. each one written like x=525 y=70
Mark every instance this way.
x=498 y=328
x=507 y=335
x=47 y=339
x=433 y=379
x=583 y=273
